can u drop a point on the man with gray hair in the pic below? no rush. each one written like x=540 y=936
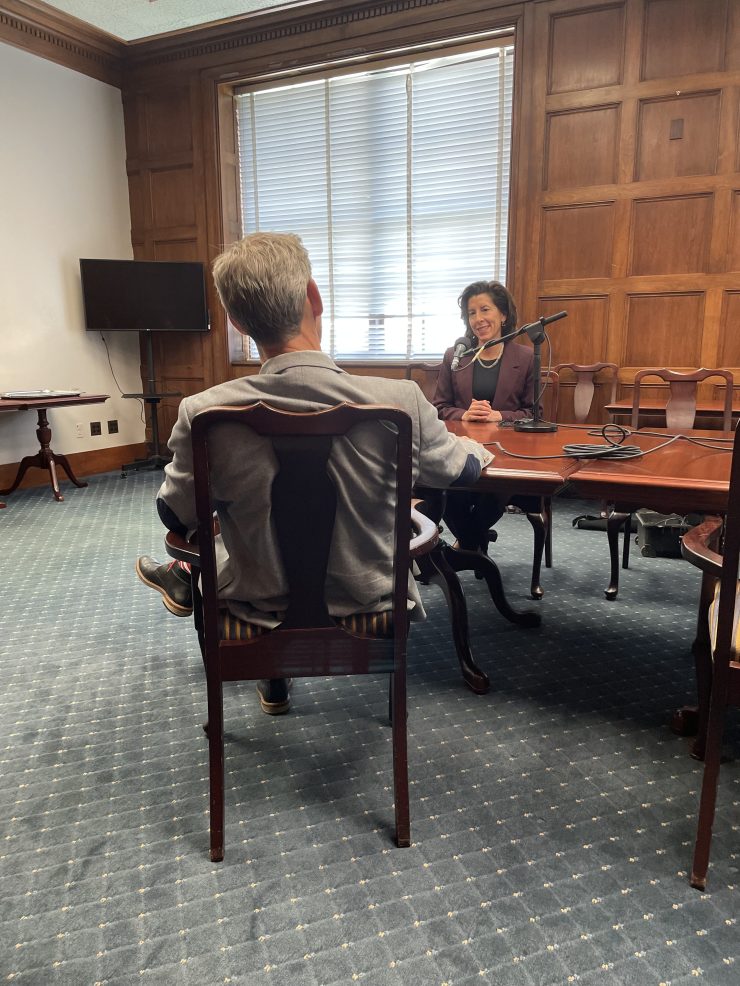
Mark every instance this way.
x=265 y=285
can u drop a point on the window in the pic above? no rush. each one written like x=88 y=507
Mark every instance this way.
x=397 y=180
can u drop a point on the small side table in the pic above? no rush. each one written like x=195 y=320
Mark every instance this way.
x=46 y=458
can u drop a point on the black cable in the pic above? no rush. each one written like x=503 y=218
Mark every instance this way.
x=613 y=449
x=112 y=373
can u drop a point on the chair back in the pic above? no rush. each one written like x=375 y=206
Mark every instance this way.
x=680 y=412
x=425 y=375
x=585 y=388
x=302 y=506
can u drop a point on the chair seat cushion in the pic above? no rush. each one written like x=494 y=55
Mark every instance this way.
x=361 y=624
x=714 y=617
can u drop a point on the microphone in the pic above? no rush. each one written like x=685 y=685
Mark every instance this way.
x=534 y=329
x=461 y=346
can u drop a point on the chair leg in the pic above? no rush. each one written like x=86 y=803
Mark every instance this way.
x=400 y=759
x=539 y=527
x=216 y=767
x=708 y=800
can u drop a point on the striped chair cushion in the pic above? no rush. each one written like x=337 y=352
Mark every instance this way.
x=361 y=624
x=714 y=617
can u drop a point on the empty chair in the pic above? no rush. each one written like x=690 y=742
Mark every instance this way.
x=680 y=410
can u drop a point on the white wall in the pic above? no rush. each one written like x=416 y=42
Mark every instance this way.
x=63 y=195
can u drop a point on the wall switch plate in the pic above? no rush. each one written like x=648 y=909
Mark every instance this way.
x=95 y=428
x=79 y=430
x=113 y=427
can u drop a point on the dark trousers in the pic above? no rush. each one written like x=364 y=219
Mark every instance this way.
x=471 y=515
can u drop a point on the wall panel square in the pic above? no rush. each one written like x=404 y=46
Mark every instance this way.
x=582 y=148
x=180 y=249
x=577 y=241
x=173 y=197
x=168 y=122
x=581 y=337
x=671 y=235
x=733 y=249
x=694 y=153
x=728 y=352
x=683 y=37
x=586 y=49
x=664 y=330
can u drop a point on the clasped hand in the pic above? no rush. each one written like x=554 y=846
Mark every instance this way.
x=481 y=411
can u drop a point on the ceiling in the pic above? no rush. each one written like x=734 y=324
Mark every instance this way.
x=131 y=20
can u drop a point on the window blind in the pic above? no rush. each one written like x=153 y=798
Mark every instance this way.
x=397 y=180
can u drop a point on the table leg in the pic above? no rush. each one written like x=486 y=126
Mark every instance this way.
x=539 y=527
x=485 y=567
x=435 y=571
x=614 y=523
x=45 y=458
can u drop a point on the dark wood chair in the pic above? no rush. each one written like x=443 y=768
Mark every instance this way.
x=717 y=649
x=680 y=410
x=303 y=504
x=583 y=398
x=680 y=413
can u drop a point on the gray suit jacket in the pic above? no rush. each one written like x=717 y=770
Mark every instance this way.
x=359 y=577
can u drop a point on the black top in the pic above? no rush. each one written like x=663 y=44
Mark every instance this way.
x=485 y=381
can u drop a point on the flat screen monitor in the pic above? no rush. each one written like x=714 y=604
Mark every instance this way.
x=144 y=296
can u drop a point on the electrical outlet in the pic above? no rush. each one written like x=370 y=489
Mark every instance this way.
x=113 y=427
x=95 y=428
x=79 y=430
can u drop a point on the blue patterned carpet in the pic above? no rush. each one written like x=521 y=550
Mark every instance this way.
x=552 y=819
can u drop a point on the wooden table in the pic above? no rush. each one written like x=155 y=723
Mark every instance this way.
x=680 y=477
x=657 y=405
x=45 y=458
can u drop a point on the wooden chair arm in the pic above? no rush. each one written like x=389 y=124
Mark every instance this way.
x=695 y=546
x=180 y=548
x=426 y=532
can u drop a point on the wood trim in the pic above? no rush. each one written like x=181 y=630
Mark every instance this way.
x=83 y=464
x=41 y=30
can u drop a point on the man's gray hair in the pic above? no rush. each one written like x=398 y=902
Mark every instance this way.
x=262 y=281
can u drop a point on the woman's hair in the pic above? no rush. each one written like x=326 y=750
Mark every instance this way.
x=262 y=283
x=500 y=296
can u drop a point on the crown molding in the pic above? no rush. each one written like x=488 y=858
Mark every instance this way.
x=41 y=30
x=234 y=37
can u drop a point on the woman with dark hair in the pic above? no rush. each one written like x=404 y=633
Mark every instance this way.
x=493 y=384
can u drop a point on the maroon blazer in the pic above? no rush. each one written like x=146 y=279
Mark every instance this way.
x=514 y=391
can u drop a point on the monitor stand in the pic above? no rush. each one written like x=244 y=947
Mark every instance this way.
x=156 y=460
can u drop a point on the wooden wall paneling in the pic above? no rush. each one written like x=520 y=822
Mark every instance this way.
x=710 y=330
x=600 y=33
x=581 y=337
x=684 y=37
x=664 y=330
x=733 y=233
x=671 y=235
x=728 y=343
x=582 y=147
x=678 y=135
x=577 y=241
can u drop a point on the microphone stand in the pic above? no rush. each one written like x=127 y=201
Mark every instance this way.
x=536 y=332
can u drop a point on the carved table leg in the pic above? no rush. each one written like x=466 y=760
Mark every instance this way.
x=435 y=571
x=45 y=458
x=539 y=526
x=614 y=522
x=460 y=560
